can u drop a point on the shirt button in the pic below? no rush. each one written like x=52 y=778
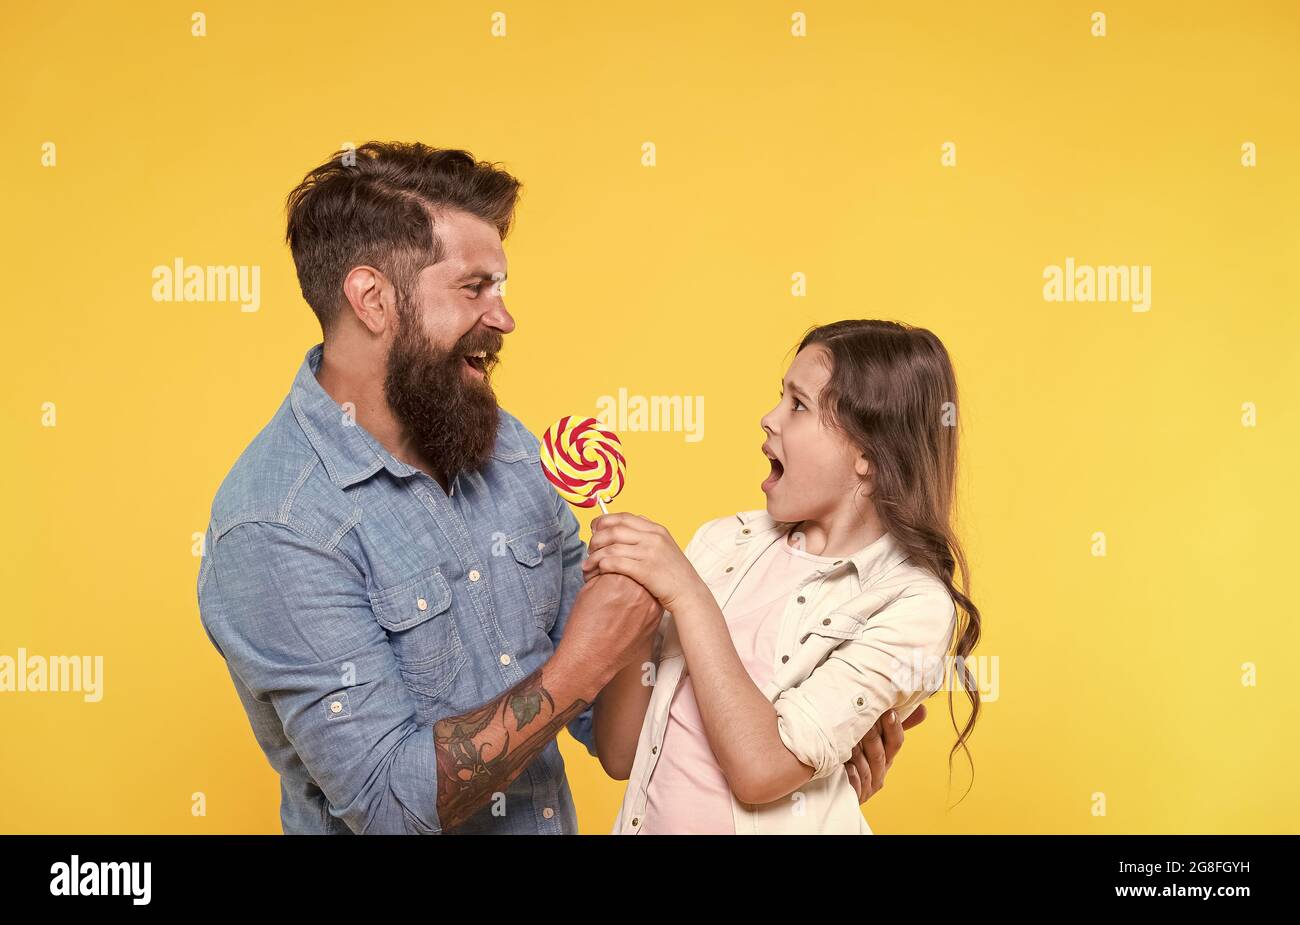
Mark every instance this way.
x=839 y=561
x=505 y=659
x=860 y=701
x=635 y=823
x=826 y=622
x=731 y=568
x=745 y=531
x=548 y=812
x=422 y=604
x=654 y=749
x=474 y=575
x=802 y=599
x=541 y=546
x=336 y=707
x=784 y=659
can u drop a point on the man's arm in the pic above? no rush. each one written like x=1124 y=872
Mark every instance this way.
x=480 y=752
x=294 y=622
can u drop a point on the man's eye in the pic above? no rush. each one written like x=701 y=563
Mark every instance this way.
x=472 y=287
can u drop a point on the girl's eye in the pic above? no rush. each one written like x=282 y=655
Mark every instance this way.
x=798 y=404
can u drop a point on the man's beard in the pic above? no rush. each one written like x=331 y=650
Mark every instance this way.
x=449 y=416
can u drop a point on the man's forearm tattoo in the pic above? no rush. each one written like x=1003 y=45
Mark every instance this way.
x=482 y=751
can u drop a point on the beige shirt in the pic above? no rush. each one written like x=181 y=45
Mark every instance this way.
x=857 y=638
x=688 y=794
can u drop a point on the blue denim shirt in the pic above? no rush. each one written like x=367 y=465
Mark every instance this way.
x=355 y=603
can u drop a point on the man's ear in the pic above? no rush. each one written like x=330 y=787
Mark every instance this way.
x=371 y=298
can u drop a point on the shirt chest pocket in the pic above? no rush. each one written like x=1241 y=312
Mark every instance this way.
x=537 y=555
x=416 y=614
x=816 y=640
x=833 y=627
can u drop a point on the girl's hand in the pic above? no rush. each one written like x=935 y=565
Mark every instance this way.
x=644 y=551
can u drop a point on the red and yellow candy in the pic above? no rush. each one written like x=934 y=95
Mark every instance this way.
x=583 y=460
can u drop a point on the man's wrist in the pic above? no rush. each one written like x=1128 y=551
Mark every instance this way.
x=579 y=674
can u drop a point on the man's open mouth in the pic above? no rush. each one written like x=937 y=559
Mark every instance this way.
x=477 y=361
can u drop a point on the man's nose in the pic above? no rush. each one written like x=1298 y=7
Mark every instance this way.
x=498 y=318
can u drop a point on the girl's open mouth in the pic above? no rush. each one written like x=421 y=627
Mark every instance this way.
x=774 y=476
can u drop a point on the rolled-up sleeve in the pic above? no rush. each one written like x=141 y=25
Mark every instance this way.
x=895 y=661
x=294 y=622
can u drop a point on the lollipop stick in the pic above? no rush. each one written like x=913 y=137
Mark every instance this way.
x=601 y=502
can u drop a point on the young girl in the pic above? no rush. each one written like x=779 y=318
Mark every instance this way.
x=789 y=631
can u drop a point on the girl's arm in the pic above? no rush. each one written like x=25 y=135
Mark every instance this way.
x=823 y=718
x=619 y=713
x=739 y=721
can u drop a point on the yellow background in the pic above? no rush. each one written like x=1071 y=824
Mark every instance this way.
x=1118 y=675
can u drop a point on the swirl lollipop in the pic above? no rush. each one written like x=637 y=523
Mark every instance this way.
x=584 y=461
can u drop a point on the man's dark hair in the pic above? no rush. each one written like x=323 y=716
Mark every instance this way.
x=375 y=206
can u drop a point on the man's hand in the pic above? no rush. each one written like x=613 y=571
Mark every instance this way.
x=612 y=619
x=873 y=756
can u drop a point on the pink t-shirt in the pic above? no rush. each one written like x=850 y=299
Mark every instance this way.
x=687 y=794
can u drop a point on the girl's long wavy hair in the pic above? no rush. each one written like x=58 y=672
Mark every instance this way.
x=893 y=393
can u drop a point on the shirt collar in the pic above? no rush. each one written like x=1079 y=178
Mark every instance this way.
x=348 y=452
x=870 y=562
